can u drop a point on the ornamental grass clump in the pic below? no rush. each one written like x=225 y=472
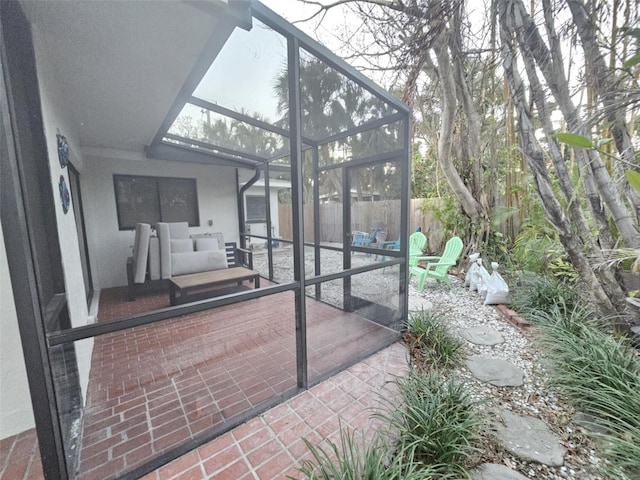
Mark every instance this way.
x=430 y=342
x=437 y=424
x=432 y=431
x=353 y=459
x=600 y=374
x=544 y=294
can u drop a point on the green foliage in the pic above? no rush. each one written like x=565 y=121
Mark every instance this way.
x=423 y=176
x=449 y=214
x=635 y=34
x=600 y=375
x=633 y=178
x=537 y=249
x=563 y=270
x=353 y=460
x=497 y=248
x=578 y=141
x=430 y=341
x=541 y=293
x=535 y=242
x=438 y=424
x=573 y=139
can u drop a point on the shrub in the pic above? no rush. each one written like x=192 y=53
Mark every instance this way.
x=536 y=243
x=431 y=342
x=600 y=374
x=438 y=425
x=353 y=460
x=544 y=294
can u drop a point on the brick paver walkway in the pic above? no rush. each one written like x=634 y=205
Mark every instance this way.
x=269 y=446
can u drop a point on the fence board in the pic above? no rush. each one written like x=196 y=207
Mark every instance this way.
x=363 y=216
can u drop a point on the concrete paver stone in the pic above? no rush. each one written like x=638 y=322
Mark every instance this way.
x=495 y=371
x=482 y=335
x=417 y=304
x=494 y=471
x=529 y=438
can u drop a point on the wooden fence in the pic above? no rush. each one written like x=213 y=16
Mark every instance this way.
x=363 y=216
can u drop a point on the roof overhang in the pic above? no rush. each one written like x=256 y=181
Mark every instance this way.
x=148 y=52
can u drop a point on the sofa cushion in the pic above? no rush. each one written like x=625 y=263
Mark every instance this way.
x=217 y=259
x=141 y=252
x=181 y=245
x=194 y=262
x=178 y=229
x=204 y=244
x=154 y=258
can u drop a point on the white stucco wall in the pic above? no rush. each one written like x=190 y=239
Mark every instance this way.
x=55 y=121
x=109 y=246
x=15 y=404
x=16 y=414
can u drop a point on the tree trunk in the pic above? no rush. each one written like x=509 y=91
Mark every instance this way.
x=557 y=83
x=606 y=89
x=472 y=208
x=472 y=148
x=605 y=290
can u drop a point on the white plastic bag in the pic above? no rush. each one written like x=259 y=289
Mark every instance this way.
x=477 y=276
x=497 y=288
x=472 y=268
x=482 y=280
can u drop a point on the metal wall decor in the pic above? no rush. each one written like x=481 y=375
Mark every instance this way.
x=63 y=150
x=65 y=197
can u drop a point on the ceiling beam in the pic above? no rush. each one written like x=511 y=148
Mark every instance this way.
x=177 y=153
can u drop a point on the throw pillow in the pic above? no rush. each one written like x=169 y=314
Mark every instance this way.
x=207 y=244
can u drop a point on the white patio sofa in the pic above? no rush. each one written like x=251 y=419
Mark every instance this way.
x=183 y=254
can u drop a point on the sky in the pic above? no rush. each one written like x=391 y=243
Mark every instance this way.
x=325 y=32
x=243 y=76
x=292 y=10
x=339 y=22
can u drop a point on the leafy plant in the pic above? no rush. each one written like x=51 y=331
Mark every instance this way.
x=438 y=425
x=562 y=269
x=600 y=374
x=579 y=141
x=449 y=214
x=534 y=244
x=627 y=258
x=430 y=341
x=353 y=460
x=498 y=249
x=544 y=294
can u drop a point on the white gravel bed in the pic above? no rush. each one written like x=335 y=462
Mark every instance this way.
x=381 y=286
x=463 y=309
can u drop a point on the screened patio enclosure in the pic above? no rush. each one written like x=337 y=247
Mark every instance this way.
x=293 y=154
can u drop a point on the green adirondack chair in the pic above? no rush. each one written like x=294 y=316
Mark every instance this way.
x=437 y=267
x=417 y=241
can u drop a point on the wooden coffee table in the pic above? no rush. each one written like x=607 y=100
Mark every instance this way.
x=183 y=284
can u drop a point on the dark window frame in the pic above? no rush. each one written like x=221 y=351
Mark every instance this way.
x=158 y=215
x=251 y=218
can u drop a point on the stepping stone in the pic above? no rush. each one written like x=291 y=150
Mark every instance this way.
x=529 y=438
x=494 y=471
x=482 y=335
x=496 y=372
x=417 y=304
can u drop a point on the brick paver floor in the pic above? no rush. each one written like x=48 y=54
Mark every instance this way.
x=269 y=446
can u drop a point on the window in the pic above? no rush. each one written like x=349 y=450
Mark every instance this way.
x=256 y=209
x=155 y=199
